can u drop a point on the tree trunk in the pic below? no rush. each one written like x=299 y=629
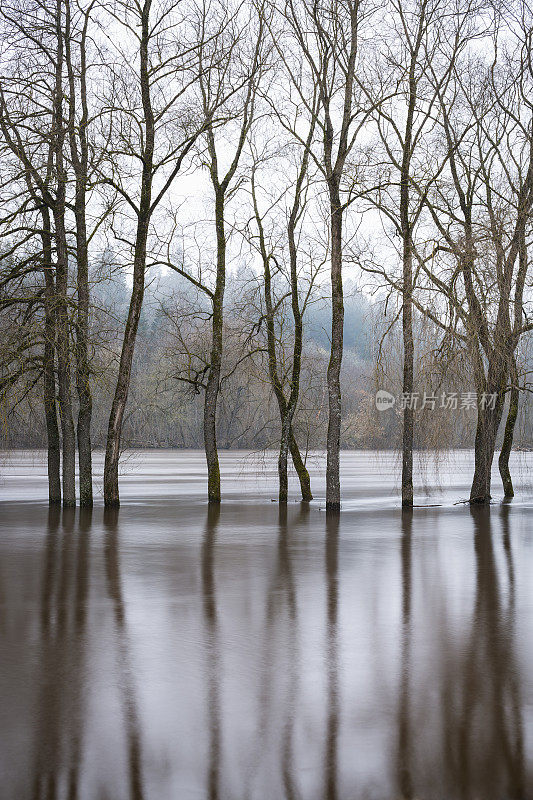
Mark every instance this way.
x=63 y=361
x=301 y=469
x=286 y=410
x=210 y=415
x=62 y=318
x=407 y=286
x=288 y=443
x=80 y=162
x=333 y=489
x=49 y=374
x=287 y=435
x=52 y=428
x=282 y=461
x=408 y=377
x=112 y=455
x=114 y=432
x=213 y=377
x=82 y=357
x=488 y=422
x=503 y=461
x=84 y=396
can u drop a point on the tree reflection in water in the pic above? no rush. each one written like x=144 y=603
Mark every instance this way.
x=61 y=703
x=280 y=660
x=490 y=724
x=480 y=724
x=126 y=674
x=332 y=655
x=213 y=666
x=248 y=643
x=404 y=722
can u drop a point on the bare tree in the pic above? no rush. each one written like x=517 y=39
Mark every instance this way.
x=33 y=127
x=232 y=58
x=412 y=72
x=153 y=126
x=272 y=256
x=26 y=237
x=59 y=133
x=491 y=165
x=321 y=54
x=76 y=34
x=216 y=82
x=472 y=201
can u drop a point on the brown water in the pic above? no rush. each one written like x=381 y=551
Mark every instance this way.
x=169 y=652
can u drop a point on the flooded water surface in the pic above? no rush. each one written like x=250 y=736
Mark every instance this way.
x=169 y=651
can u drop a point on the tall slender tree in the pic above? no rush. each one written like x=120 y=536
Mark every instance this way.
x=321 y=52
x=232 y=59
x=407 y=168
x=273 y=258
x=76 y=34
x=216 y=82
x=33 y=127
x=153 y=125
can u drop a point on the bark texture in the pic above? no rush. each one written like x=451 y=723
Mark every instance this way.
x=408 y=379
x=49 y=367
x=217 y=343
x=488 y=422
x=333 y=487
x=507 y=445
x=407 y=280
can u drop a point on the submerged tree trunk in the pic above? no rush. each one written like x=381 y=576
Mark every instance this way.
x=50 y=410
x=64 y=373
x=112 y=455
x=213 y=378
x=408 y=377
x=49 y=371
x=507 y=445
x=212 y=95
x=288 y=444
x=215 y=90
x=283 y=473
x=488 y=422
x=62 y=311
x=333 y=489
x=290 y=407
x=287 y=438
x=82 y=382
x=80 y=162
x=407 y=278
x=301 y=469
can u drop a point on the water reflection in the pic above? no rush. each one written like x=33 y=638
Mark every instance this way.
x=64 y=593
x=126 y=675
x=285 y=572
x=492 y=649
x=213 y=666
x=280 y=662
x=332 y=657
x=275 y=654
x=404 y=714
